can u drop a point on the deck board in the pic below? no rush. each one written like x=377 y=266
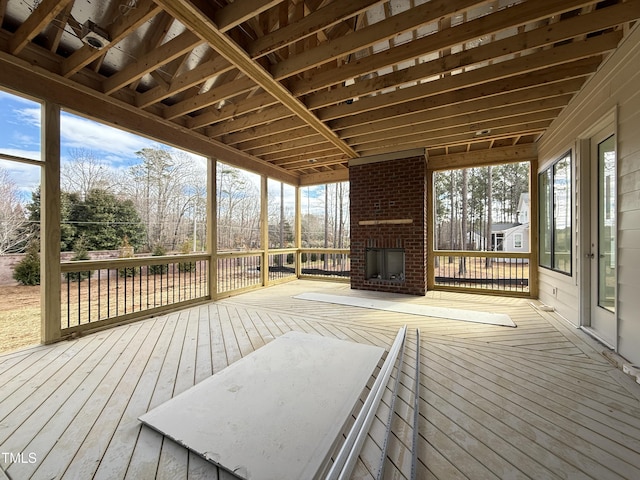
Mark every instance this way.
x=536 y=401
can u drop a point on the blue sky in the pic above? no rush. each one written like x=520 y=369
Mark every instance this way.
x=20 y=137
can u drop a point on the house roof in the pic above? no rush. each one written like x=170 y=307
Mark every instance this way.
x=296 y=88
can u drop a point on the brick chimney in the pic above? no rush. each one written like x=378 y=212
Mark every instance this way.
x=389 y=223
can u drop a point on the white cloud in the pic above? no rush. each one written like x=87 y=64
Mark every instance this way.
x=77 y=132
x=25 y=176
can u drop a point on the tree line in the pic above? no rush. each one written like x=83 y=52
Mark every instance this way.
x=160 y=201
x=470 y=201
x=324 y=216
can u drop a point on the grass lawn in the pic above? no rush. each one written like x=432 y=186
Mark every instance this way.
x=19 y=317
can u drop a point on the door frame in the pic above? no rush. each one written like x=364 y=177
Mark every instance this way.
x=585 y=214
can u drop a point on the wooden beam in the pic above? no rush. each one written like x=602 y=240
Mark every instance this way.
x=238 y=108
x=295 y=134
x=314 y=151
x=283 y=147
x=309 y=25
x=577 y=69
x=215 y=95
x=556 y=57
x=544 y=109
x=118 y=30
x=238 y=12
x=275 y=112
x=599 y=20
x=480 y=158
x=332 y=176
x=381 y=31
x=542 y=96
x=454 y=126
x=42 y=16
x=511 y=45
x=212 y=225
x=174 y=48
x=189 y=79
x=62 y=19
x=199 y=23
x=274 y=128
x=463 y=138
x=3 y=10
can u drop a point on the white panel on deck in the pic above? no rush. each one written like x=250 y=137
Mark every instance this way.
x=276 y=413
x=500 y=319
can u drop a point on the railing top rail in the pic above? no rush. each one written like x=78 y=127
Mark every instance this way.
x=326 y=250
x=82 y=265
x=232 y=254
x=475 y=253
x=276 y=251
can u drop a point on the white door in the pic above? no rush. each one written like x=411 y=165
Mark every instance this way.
x=603 y=236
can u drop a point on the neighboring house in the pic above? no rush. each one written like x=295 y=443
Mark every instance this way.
x=523 y=208
x=510 y=237
x=513 y=237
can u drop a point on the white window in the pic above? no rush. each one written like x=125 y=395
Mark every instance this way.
x=517 y=240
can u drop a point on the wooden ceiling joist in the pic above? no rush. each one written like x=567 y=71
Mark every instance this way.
x=517 y=44
x=175 y=48
x=191 y=78
x=118 y=30
x=199 y=23
x=481 y=158
x=44 y=13
x=581 y=68
x=308 y=25
x=380 y=31
x=560 y=56
x=295 y=88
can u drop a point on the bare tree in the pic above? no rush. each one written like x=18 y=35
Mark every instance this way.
x=164 y=189
x=13 y=220
x=463 y=230
x=238 y=209
x=85 y=172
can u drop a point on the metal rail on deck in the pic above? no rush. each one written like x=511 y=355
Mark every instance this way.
x=416 y=411
x=392 y=409
x=350 y=450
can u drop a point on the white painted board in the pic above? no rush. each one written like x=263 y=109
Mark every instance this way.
x=500 y=319
x=276 y=413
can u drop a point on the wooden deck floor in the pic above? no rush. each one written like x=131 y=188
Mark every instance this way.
x=536 y=401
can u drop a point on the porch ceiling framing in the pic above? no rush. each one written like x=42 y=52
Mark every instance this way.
x=298 y=88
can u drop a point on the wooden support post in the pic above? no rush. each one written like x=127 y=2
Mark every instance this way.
x=298 y=231
x=264 y=228
x=212 y=226
x=50 y=225
x=431 y=276
x=533 y=228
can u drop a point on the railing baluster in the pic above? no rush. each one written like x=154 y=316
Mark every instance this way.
x=68 y=302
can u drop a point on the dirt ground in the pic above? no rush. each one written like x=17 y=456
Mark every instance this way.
x=19 y=317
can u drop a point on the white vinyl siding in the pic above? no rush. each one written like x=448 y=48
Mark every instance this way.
x=613 y=90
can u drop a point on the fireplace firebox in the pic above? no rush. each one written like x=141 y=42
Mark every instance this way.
x=385 y=264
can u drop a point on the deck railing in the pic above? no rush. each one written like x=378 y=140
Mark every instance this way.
x=495 y=272
x=238 y=271
x=102 y=291
x=282 y=264
x=108 y=291
x=327 y=263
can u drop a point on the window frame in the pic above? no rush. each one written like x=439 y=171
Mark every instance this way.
x=518 y=240
x=548 y=194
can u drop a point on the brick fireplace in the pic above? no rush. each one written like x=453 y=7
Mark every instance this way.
x=389 y=223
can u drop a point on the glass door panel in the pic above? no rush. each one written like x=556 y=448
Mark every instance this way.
x=607 y=223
